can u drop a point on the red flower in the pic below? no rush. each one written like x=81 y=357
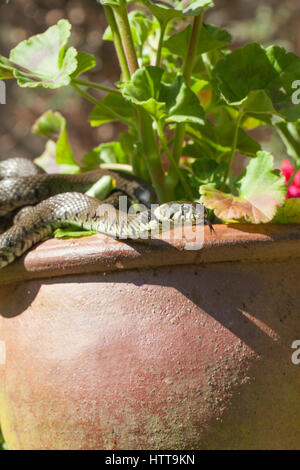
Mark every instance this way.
x=297 y=179
x=293 y=191
x=287 y=169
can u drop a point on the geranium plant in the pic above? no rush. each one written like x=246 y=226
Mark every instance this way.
x=188 y=102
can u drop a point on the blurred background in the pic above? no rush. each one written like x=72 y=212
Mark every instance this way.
x=267 y=22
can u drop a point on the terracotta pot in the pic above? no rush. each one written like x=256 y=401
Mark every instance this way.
x=114 y=345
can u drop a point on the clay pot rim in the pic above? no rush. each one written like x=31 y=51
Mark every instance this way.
x=101 y=254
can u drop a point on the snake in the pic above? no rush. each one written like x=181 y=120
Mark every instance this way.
x=34 y=203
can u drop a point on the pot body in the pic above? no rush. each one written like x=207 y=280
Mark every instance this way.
x=196 y=356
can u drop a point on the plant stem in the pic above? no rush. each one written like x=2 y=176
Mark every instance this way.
x=233 y=149
x=178 y=141
x=152 y=158
x=187 y=73
x=85 y=94
x=169 y=143
x=170 y=157
x=163 y=27
x=96 y=86
x=93 y=100
x=117 y=41
x=127 y=41
x=144 y=122
x=192 y=50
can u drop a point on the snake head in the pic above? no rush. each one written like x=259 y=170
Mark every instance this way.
x=192 y=213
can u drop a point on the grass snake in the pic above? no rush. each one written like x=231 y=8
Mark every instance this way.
x=58 y=200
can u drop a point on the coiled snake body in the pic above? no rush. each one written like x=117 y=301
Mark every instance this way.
x=58 y=200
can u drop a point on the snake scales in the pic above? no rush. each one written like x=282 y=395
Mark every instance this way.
x=58 y=200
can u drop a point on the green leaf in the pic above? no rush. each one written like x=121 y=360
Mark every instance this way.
x=182 y=104
x=52 y=125
x=144 y=88
x=47 y=160
x=261 y=192
x=290 y=135
x=141 y=26
x=207 y=171
x=165 y=11
x=113 y=3
x=107 y=35
x=169 y=102
x=72 y=232
x=199 y=149
x=85 y=62
x=211 y=38
x=258 y=103
x=104 y=111
x=259 y=177
x=198 y=86
x=49 y=125
x=220 y=138
x=109 y=152
x=289 y=213
x=6 y=69
x=251 y=122
x=43 y=60
x=246 y=145
x=1 y=441
x=259 y=81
